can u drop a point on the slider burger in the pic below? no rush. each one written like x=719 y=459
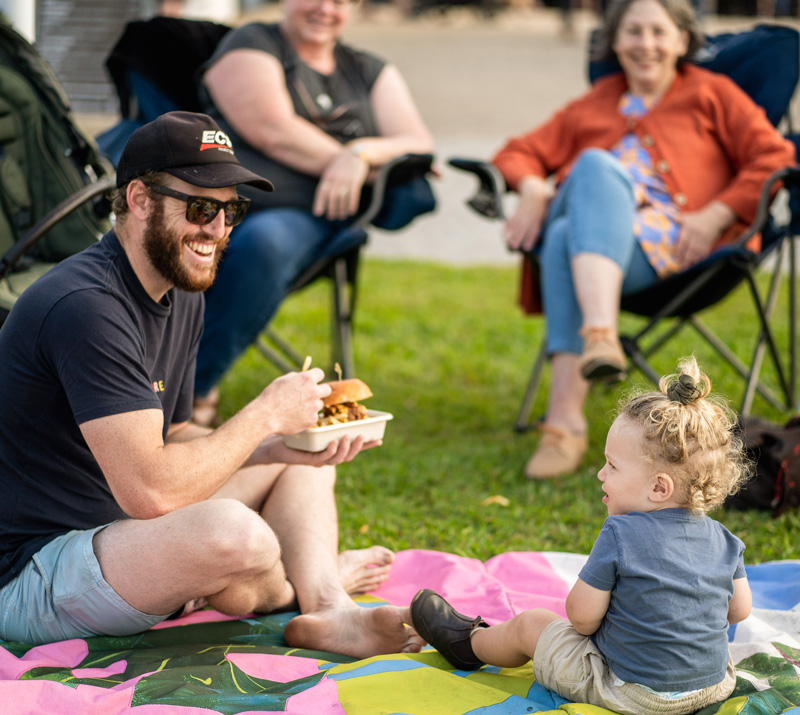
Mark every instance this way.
x=342 y=404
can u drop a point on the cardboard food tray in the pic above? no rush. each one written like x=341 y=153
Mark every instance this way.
x=317 y=439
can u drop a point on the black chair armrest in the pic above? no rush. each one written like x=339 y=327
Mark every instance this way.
x=790 y=176
x=791 y=182
x=397 y=171
x=400 y=169
x=488 y=199
x=90 y=192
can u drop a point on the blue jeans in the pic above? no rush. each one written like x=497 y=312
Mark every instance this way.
x=267 y=252
x=592 y=212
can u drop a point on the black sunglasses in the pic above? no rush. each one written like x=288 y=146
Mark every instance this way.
x=201 y=210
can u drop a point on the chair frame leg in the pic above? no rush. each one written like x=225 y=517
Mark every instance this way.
x=524 y=423
x=286 y=360
x=342 y=316
x=765 y=341
x=343 y=301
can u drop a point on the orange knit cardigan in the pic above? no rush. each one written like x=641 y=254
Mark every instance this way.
x=706 y=138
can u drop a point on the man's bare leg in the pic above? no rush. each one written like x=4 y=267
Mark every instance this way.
x=219 y=549
x=360 y=570
x=301 y=510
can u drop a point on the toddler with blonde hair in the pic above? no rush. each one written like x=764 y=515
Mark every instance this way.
x=649 y=614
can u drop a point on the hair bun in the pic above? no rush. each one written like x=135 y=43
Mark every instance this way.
x=684 y=390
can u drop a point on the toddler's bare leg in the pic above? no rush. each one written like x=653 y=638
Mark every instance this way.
x=513 y=643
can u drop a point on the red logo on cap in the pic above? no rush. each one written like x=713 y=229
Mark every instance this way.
x=212 y=139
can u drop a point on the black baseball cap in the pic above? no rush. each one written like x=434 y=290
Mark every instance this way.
x=191 y=147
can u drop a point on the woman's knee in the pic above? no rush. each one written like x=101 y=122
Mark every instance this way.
x=600 y=177
x=271 y=248
x=598 y=160
x=554 y=254
x=263 y=242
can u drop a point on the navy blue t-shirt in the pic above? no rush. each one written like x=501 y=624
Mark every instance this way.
x=83 y=342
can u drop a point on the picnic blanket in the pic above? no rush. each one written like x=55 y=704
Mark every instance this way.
x=207 y=663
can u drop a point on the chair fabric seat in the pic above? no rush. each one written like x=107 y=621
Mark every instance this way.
x=12 y=285
x=731 y=263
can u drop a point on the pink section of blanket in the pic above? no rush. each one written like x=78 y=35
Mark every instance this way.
x=496 y=590
x=51 y=655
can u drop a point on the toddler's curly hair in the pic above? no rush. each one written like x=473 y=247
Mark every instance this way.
x=692 y=436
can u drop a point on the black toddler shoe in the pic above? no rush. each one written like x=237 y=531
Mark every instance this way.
x=446 y=629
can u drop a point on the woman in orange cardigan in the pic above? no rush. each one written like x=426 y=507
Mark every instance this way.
x=655 y=167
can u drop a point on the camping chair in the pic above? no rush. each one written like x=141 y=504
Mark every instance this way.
x=19 y=267
x=53 y=180
x=674 y=303
x=137 y=65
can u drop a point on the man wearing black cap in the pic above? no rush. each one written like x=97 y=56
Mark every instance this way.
x=115 y=510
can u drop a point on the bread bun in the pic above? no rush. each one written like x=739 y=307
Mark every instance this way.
x=351 y=390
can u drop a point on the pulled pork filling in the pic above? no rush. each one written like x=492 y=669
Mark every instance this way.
x=343 y=412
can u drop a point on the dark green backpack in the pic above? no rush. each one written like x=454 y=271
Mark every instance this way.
x=44 y=157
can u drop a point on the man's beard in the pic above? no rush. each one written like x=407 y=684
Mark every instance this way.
x=164 y=248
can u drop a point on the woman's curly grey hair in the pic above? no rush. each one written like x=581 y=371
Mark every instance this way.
x=692 y=436
x=679 y=11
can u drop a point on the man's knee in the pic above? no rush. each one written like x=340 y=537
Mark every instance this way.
x=236 y=538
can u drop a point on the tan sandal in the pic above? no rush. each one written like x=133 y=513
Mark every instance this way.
x=559 y=452
x=603 y=357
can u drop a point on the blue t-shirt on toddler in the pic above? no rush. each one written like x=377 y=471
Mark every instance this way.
x=671 y=579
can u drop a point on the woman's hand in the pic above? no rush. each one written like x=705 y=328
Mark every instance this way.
x=700 y=230
x=521 y=231
x=339 y=190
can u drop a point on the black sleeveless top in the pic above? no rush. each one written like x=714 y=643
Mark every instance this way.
x=339 y=103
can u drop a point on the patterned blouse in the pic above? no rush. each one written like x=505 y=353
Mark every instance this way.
x=657 y=221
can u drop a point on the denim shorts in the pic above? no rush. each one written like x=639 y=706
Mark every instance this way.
x=61 y=593
x=569 y=663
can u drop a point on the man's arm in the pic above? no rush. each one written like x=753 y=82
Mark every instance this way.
x=149 y=477
x=586 y=606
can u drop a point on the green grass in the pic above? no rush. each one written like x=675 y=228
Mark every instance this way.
x=448 y=353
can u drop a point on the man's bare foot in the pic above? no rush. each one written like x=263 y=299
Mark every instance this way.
x=363 y=570
x=355 y=631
